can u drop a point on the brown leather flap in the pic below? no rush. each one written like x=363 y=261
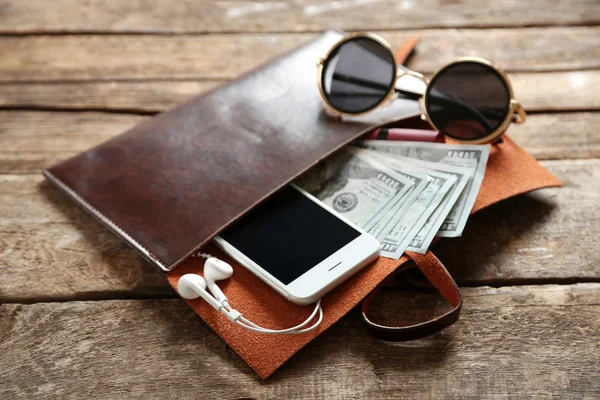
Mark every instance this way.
x=172 y=183
x=511 y=171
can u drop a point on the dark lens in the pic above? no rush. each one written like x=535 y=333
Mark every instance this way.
x=358 y=75
x=467 y=100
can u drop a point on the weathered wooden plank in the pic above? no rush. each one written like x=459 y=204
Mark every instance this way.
x=545 y=236
x=39 y=139
x=562 y=135
x=557 y=91
x=218 y=56
x=532 y=341
x=531 y=239
x=52 y=250
x=190 y=16
x=140 y=96
x=32 y=141
x=538 y=91
x=539 y=237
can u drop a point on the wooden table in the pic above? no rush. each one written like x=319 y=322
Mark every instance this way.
x=82 y=316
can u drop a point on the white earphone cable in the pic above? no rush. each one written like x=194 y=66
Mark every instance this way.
x=290 y=331
x=245 y=323
x=236 y=317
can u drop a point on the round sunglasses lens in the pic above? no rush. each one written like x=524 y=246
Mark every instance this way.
x=467 y=100
x=358 y=75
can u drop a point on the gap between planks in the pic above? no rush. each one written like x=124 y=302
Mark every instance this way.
x=387 y=291
x=217 y=56
x=379 y=30
x=32 y=141
x=143 y=112
x=538 y=92
x=190 y=16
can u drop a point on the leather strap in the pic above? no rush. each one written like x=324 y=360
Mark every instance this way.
x=440 y=278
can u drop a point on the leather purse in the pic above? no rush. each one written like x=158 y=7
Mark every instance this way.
x=170 y=184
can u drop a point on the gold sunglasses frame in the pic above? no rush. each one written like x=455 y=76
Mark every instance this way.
x=347 y=38
x=516 y=112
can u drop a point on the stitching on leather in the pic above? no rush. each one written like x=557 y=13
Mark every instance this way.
x=106 y=221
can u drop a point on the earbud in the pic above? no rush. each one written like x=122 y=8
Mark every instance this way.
x=216 y=270
x=192 y=286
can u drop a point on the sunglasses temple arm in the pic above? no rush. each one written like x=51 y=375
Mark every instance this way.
x=373 y=85
x=479 y=114
x=439 y=96
x=449 y=101
x=519 y=115
x=445 y=98
x=407 y=94
x=359 y=81
x=411 y=95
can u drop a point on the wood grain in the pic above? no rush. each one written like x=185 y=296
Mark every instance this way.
x=224 y=56
x=538 y=91
x=52 y=250
x=32 y=141
x=537 y=237
x=122 y=96
x=39 y=139
x=112 y=59
x=511 y=342
x=557 y=91
x=188 y=16
x=561 y=135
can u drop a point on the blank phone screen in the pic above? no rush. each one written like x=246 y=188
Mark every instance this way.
x=289 y=234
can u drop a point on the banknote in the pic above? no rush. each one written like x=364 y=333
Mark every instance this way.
x=420 y=181
x=470 y=156
x=381 y=226
x=419 y=236
x=443 y=212
x=362 y=190
x=422 y=240
x=414 y=228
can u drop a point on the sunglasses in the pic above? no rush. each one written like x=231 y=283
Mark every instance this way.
x=470 y=99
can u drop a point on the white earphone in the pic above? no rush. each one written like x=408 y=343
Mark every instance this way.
x=192 y=286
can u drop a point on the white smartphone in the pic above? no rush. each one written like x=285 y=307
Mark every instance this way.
x=298 y=245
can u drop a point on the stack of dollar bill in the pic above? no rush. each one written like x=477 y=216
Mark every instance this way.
x=402 y=193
